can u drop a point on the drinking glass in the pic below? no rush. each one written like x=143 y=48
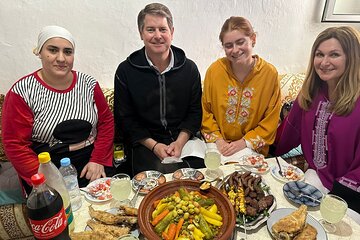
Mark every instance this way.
x=332 y=209
x=120 y=189
x=212 y=162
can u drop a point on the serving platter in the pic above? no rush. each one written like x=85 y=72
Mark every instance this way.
x=135 y=232
x=282 y=212
x=252 y=223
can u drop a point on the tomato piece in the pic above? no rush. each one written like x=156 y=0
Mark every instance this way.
x=102 y=197
x=108 y=182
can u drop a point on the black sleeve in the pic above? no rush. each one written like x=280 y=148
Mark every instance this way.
x=350 y=196
x=126 y=119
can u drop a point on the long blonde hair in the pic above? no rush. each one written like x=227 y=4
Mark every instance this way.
x=347 y=90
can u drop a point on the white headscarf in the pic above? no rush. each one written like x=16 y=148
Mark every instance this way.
x=51 y=32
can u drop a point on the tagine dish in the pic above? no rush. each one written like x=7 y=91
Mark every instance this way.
x=179 y=208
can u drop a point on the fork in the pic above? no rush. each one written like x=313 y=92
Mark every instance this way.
x=300 y=194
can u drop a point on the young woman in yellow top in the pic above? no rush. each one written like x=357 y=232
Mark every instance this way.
x=241 y=98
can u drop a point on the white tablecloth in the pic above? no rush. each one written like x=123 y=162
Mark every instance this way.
x=347 y=228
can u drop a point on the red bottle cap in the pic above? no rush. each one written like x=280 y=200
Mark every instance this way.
x=37 y=179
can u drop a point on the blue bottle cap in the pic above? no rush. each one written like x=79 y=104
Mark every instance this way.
x=65 y=162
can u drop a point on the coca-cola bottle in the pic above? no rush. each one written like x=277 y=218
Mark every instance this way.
x=56 y=181
x=46 y=211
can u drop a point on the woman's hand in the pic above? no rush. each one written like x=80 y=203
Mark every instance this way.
x=93 y=171
x=221 y=145
x=160 y=150
x=228 y=149
x=174 y=149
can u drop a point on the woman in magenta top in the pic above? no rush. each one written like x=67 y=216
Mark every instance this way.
x=325 y=118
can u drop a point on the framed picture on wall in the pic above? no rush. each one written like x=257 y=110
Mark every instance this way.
x=341 y=11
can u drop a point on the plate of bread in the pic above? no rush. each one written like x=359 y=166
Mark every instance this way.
x=289 y=223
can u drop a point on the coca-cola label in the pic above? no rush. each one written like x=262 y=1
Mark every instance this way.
x=51 y=227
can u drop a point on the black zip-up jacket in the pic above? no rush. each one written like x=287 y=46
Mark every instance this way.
x=148 y=104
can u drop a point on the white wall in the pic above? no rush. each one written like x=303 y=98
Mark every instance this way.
x=106 y=32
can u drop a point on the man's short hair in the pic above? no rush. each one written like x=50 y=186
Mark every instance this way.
x=154 y=9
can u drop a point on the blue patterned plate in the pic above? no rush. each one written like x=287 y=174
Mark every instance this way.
x=291 y=188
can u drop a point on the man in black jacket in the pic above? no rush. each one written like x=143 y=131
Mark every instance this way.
x=157 y=103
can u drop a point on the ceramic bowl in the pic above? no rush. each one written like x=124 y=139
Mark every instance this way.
x=146 y=207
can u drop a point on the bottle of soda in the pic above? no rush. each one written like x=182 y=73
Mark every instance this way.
x=46 y=211
x=56 y=181
x=71 y=182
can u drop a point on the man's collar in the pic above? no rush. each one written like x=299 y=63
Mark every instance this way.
x=171 y=64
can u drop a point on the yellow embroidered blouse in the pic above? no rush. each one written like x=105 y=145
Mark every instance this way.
x=234 y=110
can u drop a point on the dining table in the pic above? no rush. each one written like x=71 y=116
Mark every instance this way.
x=347 y=228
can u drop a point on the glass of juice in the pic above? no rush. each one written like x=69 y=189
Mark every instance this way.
x=212 y=162
x=120 y=189
x=332 y=209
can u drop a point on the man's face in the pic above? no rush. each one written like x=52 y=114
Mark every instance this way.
x=156 y=35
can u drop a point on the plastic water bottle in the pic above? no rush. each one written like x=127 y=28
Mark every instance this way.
x=46 y=211
x=56 y=181
x=71 y=182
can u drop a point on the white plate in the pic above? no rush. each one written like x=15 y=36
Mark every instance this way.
x=134 y=233
x=297 y=174
x=255 y=160
x=97 y=184
x=282 y=212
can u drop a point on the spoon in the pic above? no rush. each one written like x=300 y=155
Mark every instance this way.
x=300 y=194
x=140 y=186
x=93 y=194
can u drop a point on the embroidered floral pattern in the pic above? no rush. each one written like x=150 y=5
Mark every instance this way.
x=258 y=143
x=319 y=135
x=230 y=114
x=247 y=95
x=210 y=137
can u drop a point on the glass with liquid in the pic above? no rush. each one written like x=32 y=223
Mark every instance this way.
x=212 y=161
x=332 y=209
x=120 y=189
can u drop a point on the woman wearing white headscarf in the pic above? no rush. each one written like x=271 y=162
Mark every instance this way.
x=58 y=110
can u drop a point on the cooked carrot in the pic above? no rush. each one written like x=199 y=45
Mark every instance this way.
x=165 y=236
x=158 y=218
x=178 y=227
x=172 y=231
x=177 y=194
x=156 y=202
